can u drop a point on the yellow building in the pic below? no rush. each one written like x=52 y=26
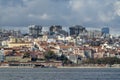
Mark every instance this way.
x=17 y=42
x=26 y=44
x=44 y=38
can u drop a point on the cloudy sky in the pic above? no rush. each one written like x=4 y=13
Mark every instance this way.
x=89 y=13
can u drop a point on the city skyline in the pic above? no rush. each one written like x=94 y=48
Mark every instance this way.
x=88 y=13
x=66 y=28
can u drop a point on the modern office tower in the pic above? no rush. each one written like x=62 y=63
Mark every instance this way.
x=94 y=34
x=76 y=30
x=55 y=28
x=105 y=30
x=35 y=30
x=15 y=33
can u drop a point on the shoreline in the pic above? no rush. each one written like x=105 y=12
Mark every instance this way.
x=60 y=67
x=88 y=67
x=31 y=65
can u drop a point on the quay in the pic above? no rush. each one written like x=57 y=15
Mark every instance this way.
x=30 y=64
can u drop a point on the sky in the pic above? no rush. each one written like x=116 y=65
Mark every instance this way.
x=88 y=13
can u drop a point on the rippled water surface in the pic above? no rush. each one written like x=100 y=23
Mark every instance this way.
x=59 y=74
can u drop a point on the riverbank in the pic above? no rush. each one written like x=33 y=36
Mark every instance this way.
x=86 y=67
x=38 y=65
x=61 y=67
x=92 y=66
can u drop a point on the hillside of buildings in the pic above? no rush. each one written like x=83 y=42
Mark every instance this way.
x=76 y=47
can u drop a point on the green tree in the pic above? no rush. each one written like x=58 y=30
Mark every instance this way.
x=26 y=55
x=50 y=55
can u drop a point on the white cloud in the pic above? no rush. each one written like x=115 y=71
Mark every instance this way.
x=45 y=17
x=76 y=4
x=106 y=17
x=41 y=17
x=117 y=7
x=88 y=19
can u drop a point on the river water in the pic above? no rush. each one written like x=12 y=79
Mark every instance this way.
x=59 y=74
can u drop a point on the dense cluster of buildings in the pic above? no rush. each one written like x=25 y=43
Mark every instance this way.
x=77 y=45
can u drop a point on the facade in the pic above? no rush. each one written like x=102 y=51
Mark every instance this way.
x=88 y=53
x=105 y=30
x=55 y=28
x=16 y=33
x=94 y=34
x=1 y=55
x=17 y=42
x=35 y=30
x=26 y=44
x=76 y=30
